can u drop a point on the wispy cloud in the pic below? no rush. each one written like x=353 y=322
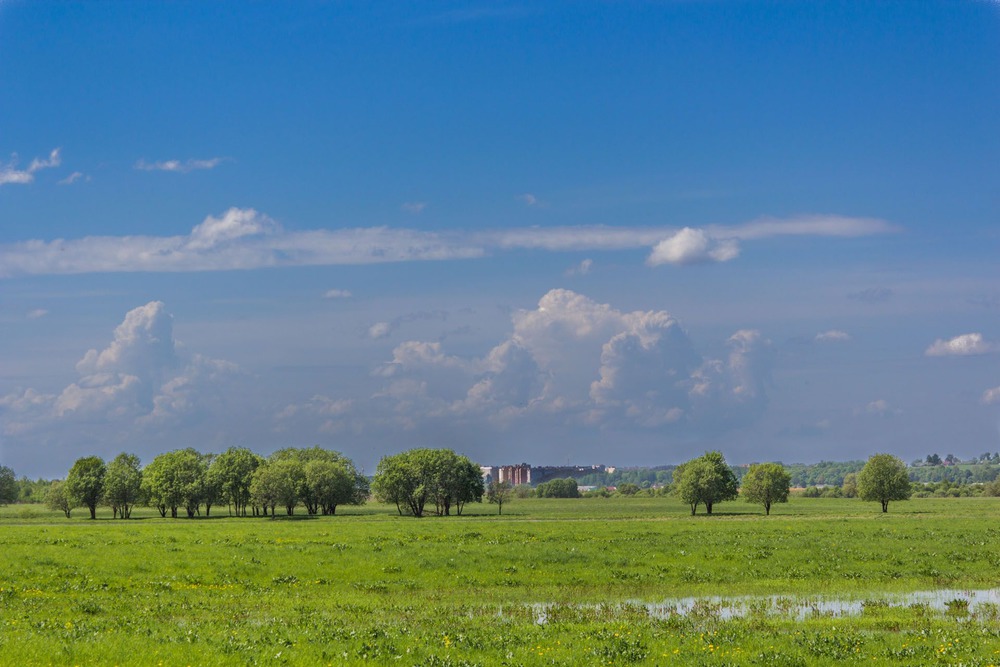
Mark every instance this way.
x=961 y=346
x=529 y=199
x=179 y=166
x=413 y=206
x=337 y=294
x=37 y=314
x=74 y=177
x=581 y=269
x=11 y=175
x=871 y=295
x=833 y=336
x=247 y=239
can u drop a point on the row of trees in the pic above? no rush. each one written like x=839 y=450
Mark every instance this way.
x=185 y=479
x=707 y=480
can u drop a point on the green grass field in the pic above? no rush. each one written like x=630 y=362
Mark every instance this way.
x=564 y=582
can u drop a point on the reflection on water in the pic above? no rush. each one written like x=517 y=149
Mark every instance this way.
x=953 y=601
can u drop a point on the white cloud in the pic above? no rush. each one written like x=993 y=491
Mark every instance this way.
x=573 y=360
x=832 y=336
x=379 y=330
x=414 y=206
x=693 y=246
x=991 y=396
x=37 y=313
x=529 y=199
x=247 y=239
x=140 y=378
x=581 y=269
x=234 y=224
x=879 y=408
x=74 y=177
x=179 y=166
x=10 y=174
x=337 y=294
x=960 y=346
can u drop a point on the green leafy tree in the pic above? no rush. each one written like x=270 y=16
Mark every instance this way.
x=850 y=485
x=884 y=478
x=765 y=484
x=278 y=482
x=415 y=477
x=398 y=481
x=628 y=489
x=499 y=493
x=558 y=488
x=176 y=479
x=9 y=489
x=123 y=484
x=85 y=483
x=57 y=499
x=231 y=472
x=705 y=480
x=334 y=481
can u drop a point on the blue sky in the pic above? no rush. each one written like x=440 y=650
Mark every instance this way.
x=587 y=232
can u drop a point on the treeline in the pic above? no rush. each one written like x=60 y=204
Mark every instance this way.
x=186 y=480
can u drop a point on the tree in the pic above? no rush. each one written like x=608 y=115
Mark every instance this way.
x=498 y=493
x=85 y=483
x=278 y=482
x=333 y=483
x=175 y=479
x=933 y=459
x=706 y=479
x=123 y=484
x=231 y=472
x=415 y=477
x=850 y=485
x=57 y=499
x=766 y=483
x=884 y=478
x=558 y=488
x=628 y=489
x=9 y=490
x=334 y=480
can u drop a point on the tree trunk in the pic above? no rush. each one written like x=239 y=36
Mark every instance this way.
x=767 y=509
x=885 y=505
x=93 y=511
x=708 y=508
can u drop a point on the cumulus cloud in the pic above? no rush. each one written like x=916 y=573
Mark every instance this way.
x=991 y=396
x=832 y=336
x=10 y=174
x=337 y=294
x=247 y=239
x=179 y=166
x=693 y=246
x=961 y=346
x=577 y=361
x=384 y=329
x=141 y=377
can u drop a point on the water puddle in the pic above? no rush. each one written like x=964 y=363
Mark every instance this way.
x=953 y=601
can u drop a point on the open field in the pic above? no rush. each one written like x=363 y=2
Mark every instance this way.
x=588 y=581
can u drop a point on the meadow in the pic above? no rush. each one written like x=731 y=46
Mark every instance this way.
x=551 y=582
